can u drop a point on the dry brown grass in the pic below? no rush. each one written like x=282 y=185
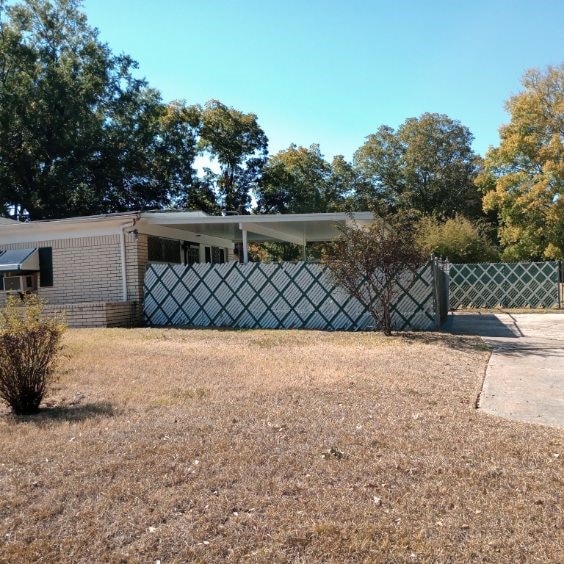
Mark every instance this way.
x=186 y=445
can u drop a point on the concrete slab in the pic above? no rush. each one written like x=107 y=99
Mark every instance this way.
x=525 y=375
x=482 y=324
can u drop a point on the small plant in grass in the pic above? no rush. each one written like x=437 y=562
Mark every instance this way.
x=29 y=346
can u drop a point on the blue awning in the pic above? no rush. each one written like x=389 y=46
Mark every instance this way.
x=19 y=260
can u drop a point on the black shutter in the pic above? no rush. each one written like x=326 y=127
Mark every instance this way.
x=154 y=248
x=45 y=266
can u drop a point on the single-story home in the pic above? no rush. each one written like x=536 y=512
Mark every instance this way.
x=93 y=267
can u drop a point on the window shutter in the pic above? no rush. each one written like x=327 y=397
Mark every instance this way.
x=45 y=266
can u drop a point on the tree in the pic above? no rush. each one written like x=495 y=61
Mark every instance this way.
x=240 y=146
x=369 y=261
x=300 y=180
x=79 y=133
x=458 y=239
x=345 y=187
x=523 y=178
x=427 y=165
x=295 y=180
x=173 y=159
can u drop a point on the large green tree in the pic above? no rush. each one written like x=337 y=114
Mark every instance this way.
x=240 y=147
x=427 y=165
x=300 y=180
x=78 y=132
x=523 y=178
x=295 y=180
x=173 y=159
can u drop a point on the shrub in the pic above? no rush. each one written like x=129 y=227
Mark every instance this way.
x=368 y=261
x=457 y=239
x=29 y=346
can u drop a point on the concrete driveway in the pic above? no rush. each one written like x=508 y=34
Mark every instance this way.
x=525 y=375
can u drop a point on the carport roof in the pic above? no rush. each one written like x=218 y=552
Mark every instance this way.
x=293 y=228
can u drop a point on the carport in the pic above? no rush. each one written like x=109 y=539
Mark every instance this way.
x=299 y=229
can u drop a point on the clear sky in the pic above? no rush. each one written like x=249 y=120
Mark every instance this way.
x=331 y=72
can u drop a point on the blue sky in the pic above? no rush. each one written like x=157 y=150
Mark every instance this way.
x=331 y=72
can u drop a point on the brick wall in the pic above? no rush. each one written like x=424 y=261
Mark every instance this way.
x=137 y=257
x=96 y=314
x=87 y=279
x=85 y=269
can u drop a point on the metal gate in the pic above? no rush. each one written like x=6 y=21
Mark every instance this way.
x=285 y=295
x=510 y=285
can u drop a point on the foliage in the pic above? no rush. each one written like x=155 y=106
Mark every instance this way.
x=369 y=260
x=300 y=180
x=29 y=345
x=523 y=178
x=79 y=133
x=458 y=239
x=275 y=251
x=426 y=165
x=240 y=146
x=174 y=159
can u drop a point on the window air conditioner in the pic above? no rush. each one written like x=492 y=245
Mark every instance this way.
x=20 y=284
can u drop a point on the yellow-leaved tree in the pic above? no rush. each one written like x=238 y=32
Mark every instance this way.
x=523 y=178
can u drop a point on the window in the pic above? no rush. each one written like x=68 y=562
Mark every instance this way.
x=218 y=255
x=164 y=250
x=191 y=253
x=215 y=255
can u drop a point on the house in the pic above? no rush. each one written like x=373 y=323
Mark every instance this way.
x=93 y=268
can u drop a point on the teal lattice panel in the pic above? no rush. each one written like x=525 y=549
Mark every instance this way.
x=511 y=285
x=285 y=295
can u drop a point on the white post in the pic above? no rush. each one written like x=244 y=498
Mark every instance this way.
x=123 y=264
x=245 y=248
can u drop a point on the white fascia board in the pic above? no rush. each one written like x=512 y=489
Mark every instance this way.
x=180 y=234
x=180 y=218
x=305 y=217
x=58 y=230
x=269 y=232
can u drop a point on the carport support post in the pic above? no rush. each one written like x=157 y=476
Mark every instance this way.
x=245 y=247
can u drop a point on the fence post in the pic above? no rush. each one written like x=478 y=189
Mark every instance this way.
x=560 y=283
x=447 y=289
x=436 y=293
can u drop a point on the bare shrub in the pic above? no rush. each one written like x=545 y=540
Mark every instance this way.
x=369 y=260
x=29 y=345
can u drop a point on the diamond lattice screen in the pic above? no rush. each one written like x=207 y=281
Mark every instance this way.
x=511 y=285
x=270 y=296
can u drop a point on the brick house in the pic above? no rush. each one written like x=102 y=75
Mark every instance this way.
x=93 y=267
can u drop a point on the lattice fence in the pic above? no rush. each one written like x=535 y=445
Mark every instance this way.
x=511 y=285
x=258 y=295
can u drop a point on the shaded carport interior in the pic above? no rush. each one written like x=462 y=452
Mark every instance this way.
x=298 y=229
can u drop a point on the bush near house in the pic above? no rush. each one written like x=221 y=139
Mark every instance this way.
x=29 y=345
x=458 y=239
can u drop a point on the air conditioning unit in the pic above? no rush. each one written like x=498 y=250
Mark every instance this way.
x=22 y=283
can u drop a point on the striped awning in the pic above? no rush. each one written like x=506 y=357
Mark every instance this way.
x=19 y=260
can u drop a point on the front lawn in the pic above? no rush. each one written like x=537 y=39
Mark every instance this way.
x=197 y=445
